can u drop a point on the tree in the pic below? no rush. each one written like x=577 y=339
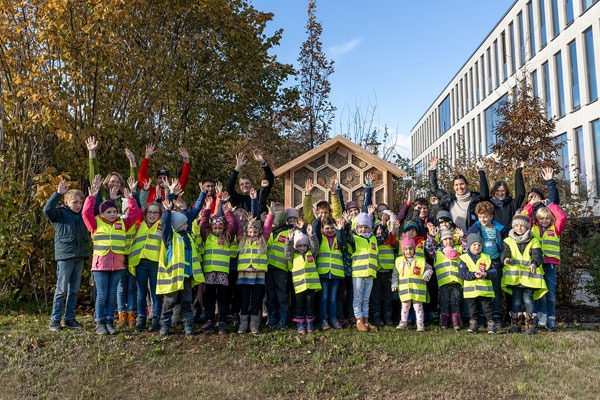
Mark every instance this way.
x=315 y=69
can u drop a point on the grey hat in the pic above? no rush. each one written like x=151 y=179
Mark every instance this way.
x=474 y=238
x=443 y=215
x=446 y=234
x=177 y=220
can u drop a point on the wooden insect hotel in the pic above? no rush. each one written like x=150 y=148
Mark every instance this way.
x=345 y=160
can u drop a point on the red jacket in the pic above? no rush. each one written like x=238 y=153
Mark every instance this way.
x=143 y=176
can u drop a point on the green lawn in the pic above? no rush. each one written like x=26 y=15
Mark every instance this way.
x=387 y=364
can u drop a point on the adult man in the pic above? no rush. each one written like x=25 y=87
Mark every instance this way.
x=242 y=200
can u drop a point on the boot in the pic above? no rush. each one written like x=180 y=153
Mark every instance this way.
x=282 y=322
x=155 y=324
x=456 y=321
x=551 y=323
x=473 y=326
x=360 y=325
x=101 y=329
x=530 y=324
x=491 y=326
x=243 y=328
x=222 y=328
x=111 y=328
x=272 y=321
x=387 y=318
x=377 y=320
x=255 y=324
x=367 y=324
x=310 y=326
x=402 y=325
x=188 y=328
x=236 y=321
x=122 y=321
x=334 y=323
x=300 y=326
x=140 y=324
x=542 y=320
x=207 y=327
x=444 y=320
x=131 y=319
x=515 y=323
x=325 y=325
x=421 y=325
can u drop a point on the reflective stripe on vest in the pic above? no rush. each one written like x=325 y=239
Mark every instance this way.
x=170 y=277
x=550 y=242
x=385 y=257
x=304 y=273
x=198 y=238
x=478 y=287
x=330 y=259
x=234 y=248
x=216 y=256
x=446 y=270
x=364 y=259
x=517 y=272
x=411 y=286
x=249 y=256
x=109 y=237
x=146 y=245
x=275 y=255
x=129 y=235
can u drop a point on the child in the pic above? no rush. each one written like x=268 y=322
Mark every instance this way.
x=409 y=279
x=492 y=233
x=179 y=269
x=523 y=276
x=71 y=248
x=381 y=295
x=446 y=258
x=477 y=272
x=330 y=267
x=549 y=223
x=301 y=250
x=252 y=269
x=108 y=262
x=216 y=235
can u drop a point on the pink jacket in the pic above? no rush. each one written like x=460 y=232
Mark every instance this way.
x=559 y=225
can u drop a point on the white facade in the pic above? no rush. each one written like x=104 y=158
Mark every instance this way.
x=556 y=45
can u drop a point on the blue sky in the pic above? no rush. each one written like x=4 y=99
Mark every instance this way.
x=394 y=55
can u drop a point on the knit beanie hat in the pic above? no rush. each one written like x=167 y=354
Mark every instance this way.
x=218 y=221
x=444 y=216
x=291 y=213
x=363 y=219
x=474 y=238
x=279 y=219
x=110 y=203
x=408 y=225
x=177 y=220
x=384 y=228
x=300 y=238
x=521 y=219
x=406 y=242
x=536 y=191
x=351 y=204
x=446 y=234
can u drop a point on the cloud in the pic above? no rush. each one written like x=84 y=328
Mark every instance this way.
x=340 y=50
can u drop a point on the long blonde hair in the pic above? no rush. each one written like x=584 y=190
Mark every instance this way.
x=262 y=244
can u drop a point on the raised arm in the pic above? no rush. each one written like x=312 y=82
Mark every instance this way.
x=50 y=210
x=240 y=161
x=433 y=179
x=519 y=187
x=184 y=178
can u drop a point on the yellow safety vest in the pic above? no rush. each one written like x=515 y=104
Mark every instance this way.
x=198 y=238
x=234 y=248
x=129 y=235
x=170 y=277
x=385 y=257
x=364 y=258
x=478 y=287
x=109 y=237
x=446 y=270
x=330 y=259
x=411 y=285
x=304 y=273
x=216 y=256
x=146 y=245
x=250 y=256
x=550 y=241
x=517 y=272
x=275 y=254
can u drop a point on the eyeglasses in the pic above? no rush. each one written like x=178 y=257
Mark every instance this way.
x=152 y=212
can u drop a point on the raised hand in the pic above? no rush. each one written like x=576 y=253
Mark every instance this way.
x=271 y=207
x=175 y=187
x=433 y=162
x=62 y=188
x=522 y=164
x=240 y=161
x=308 y=186
x=264 y=183
x=127 y=193
x=113 y=192
x=95 y=188
x=150 y=150
x=309 y=230
x=299 y=223
x=258 y=157
x=433 y=230
x=460 y=232
x=208 y=203
x=225 y=196
x=184 y=154
x=253 y=193
x=168 y=204
x=346 y=215
x=147 y=183
x=333 y=183
x=218 y=187
x=131 y=157
x=132 y=183
x=409 y=199
x=371 y=208
x=340 y=223
x=369 y=179
x=92 y=144
x=547 y=173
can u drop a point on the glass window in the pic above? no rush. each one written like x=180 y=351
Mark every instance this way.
x=419 y=169
x=476 y=73
x=521 y=39
x=491 y=121
x=569 y=11
x=585 y=4
x=547 y=99
x=590 y=65
x=555 y=21
x=504 y=63
x=444 y=113
x=574 y=75
x=560 y=87
x=490 y=81
x=483 y=92
x=542 y=11
x=534 y=84
x=496 y=63
x=531 y=27
x=596 y=135
x=513 y=57
x=581 y=175
x=563 y=157
x=471 y=88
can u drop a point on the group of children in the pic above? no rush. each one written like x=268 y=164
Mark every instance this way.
x=339 y=265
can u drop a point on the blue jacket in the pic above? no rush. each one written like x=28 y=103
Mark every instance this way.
x=71 y=237
x=476 y=228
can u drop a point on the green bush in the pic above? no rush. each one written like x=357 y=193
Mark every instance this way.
x=592 y=248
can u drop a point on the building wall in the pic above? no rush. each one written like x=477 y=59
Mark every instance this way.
x=555 y=44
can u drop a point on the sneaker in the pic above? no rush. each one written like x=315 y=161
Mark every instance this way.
x=54 y=325
x=101 y=329
x=325 y=325
x=377 y=321
x=551 y=324
x=334 y=323
x=111 y=328
x=473 y=326
x=310 y=327
x=207 y=327
x=402 y=325
x=420 y=327
x=300 y=328
x=222 y=328
x=188 y=329
x=542 y=320
x=140 y=324
x=164 y=331
x=155 y=326
x=73 y=324
x=491 y=327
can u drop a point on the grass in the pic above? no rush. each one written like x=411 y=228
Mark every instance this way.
x=387 y=364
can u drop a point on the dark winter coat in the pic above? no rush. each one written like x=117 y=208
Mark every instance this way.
x=71 y=237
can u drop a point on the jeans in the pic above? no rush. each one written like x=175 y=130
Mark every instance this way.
x=522 y=295
x=329 y=289
x=106 y=294
x=145 y=273
x=183 y=297
x=362 y=291
x=251 y=298
x=485 y=304
x=381 y=295
x=68 y=274
x=305 y=307
x=497 y=285
x=277 y=291
x=126 y=292
x=547 y=304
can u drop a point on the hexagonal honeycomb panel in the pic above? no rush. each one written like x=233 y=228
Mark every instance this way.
x=358 y=195
x=297 y=197
x=377 y=178
x=318 y=195
x=358 y=162
x=317 y=163
x=338 y=158
x=302 y=174
x=324 y=176
x=379 y=196
x=350 y=177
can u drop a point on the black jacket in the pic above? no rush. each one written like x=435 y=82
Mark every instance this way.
x=71 y=237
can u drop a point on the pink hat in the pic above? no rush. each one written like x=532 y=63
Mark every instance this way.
x=408 y=242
